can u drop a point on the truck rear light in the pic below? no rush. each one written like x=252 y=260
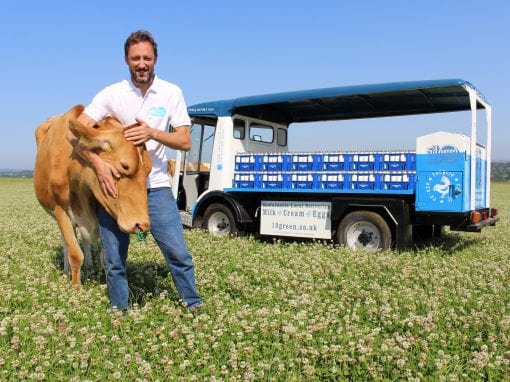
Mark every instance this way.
x=494 y=212
x=476 y=217
x=484 y=215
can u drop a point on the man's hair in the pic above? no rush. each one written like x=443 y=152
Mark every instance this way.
x=139 y=36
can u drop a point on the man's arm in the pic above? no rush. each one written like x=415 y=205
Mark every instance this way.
x=105 y=172
x=179 y=139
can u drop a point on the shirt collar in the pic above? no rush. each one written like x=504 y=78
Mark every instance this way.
x=156 y=85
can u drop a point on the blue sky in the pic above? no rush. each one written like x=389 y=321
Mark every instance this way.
x=56 y=54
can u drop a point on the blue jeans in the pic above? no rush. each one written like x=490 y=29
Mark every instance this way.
x=166 y=228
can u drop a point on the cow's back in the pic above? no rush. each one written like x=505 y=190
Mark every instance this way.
x=54 y=152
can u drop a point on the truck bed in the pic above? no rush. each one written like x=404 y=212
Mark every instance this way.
x=388 y=172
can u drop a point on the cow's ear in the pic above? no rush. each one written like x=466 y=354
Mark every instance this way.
x=90 y=137
x=96 y=144
x=80 y=129
x=103 y=144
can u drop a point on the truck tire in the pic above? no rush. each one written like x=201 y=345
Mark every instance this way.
x=364 y=230
x=219 y=220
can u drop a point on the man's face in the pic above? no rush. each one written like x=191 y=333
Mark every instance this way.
x=141 y=61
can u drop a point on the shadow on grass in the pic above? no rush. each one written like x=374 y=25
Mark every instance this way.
x=448 y=243
x=145 y=279
x=149 y=279
x=94 y=273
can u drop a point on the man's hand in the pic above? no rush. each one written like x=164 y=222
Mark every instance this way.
x=138 y=133
x=107 y=175
x=105 y=172
x=141 y=132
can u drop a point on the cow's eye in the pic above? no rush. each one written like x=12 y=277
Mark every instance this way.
x=124 y=165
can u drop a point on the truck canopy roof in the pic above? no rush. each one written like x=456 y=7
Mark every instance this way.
x=348 y=102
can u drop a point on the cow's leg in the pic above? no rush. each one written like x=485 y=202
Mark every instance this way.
x=75 y=255
x=88 y=236
x=101 y=259
x=67 y=269
x=86 y=248
x=87 y=255
x=88 y=226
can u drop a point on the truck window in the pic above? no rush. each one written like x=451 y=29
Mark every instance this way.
x=239 y=129
x=281 y=137
x=261 y=133
x=199 y=157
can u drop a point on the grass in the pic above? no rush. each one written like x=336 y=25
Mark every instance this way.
x=273 y=311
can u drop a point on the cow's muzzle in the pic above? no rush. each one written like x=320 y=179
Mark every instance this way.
x=143 y=227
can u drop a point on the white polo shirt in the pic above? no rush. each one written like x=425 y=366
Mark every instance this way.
x=163 y=106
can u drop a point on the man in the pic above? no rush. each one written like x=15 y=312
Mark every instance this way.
x=148 y=106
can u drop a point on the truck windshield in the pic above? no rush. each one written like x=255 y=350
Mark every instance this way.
x=199 y=157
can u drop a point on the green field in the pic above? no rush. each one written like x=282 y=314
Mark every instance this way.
x=273 y=311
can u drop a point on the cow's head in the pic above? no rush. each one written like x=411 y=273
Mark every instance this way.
x=130 y=207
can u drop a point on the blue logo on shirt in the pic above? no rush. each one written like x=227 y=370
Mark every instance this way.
x=157 y=111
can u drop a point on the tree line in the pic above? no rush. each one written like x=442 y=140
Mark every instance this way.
x=500 y=172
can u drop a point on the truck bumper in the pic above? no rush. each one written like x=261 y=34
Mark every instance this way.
x=477 y=227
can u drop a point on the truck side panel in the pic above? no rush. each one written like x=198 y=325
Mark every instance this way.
x=443 y=167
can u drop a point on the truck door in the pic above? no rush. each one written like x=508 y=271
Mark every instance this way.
x=197 y=164
x=440 y=191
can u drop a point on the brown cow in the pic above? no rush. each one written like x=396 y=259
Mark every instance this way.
x=68 y=189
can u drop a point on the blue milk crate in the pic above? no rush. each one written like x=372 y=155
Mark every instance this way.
x=272 y=181
x=398 y=161
x=245 y=181
x=273 y=162
x=364 y=161
x=305 y=162
x=364 y=181
x=398 y=181
x=334 y=162
x=306 y=181
x=331 y=181
x=246 y=162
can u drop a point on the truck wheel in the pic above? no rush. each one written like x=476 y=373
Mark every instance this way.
x=219 y=219
x=364 y=229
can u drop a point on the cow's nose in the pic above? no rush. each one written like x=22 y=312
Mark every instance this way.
x=145 y=227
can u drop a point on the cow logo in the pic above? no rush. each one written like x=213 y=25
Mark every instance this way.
x=440 y=186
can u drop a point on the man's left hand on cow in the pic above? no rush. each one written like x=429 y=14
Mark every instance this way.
x=140 y=132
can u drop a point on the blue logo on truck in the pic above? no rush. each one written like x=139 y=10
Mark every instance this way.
x=442 y=153
x=440 y=185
